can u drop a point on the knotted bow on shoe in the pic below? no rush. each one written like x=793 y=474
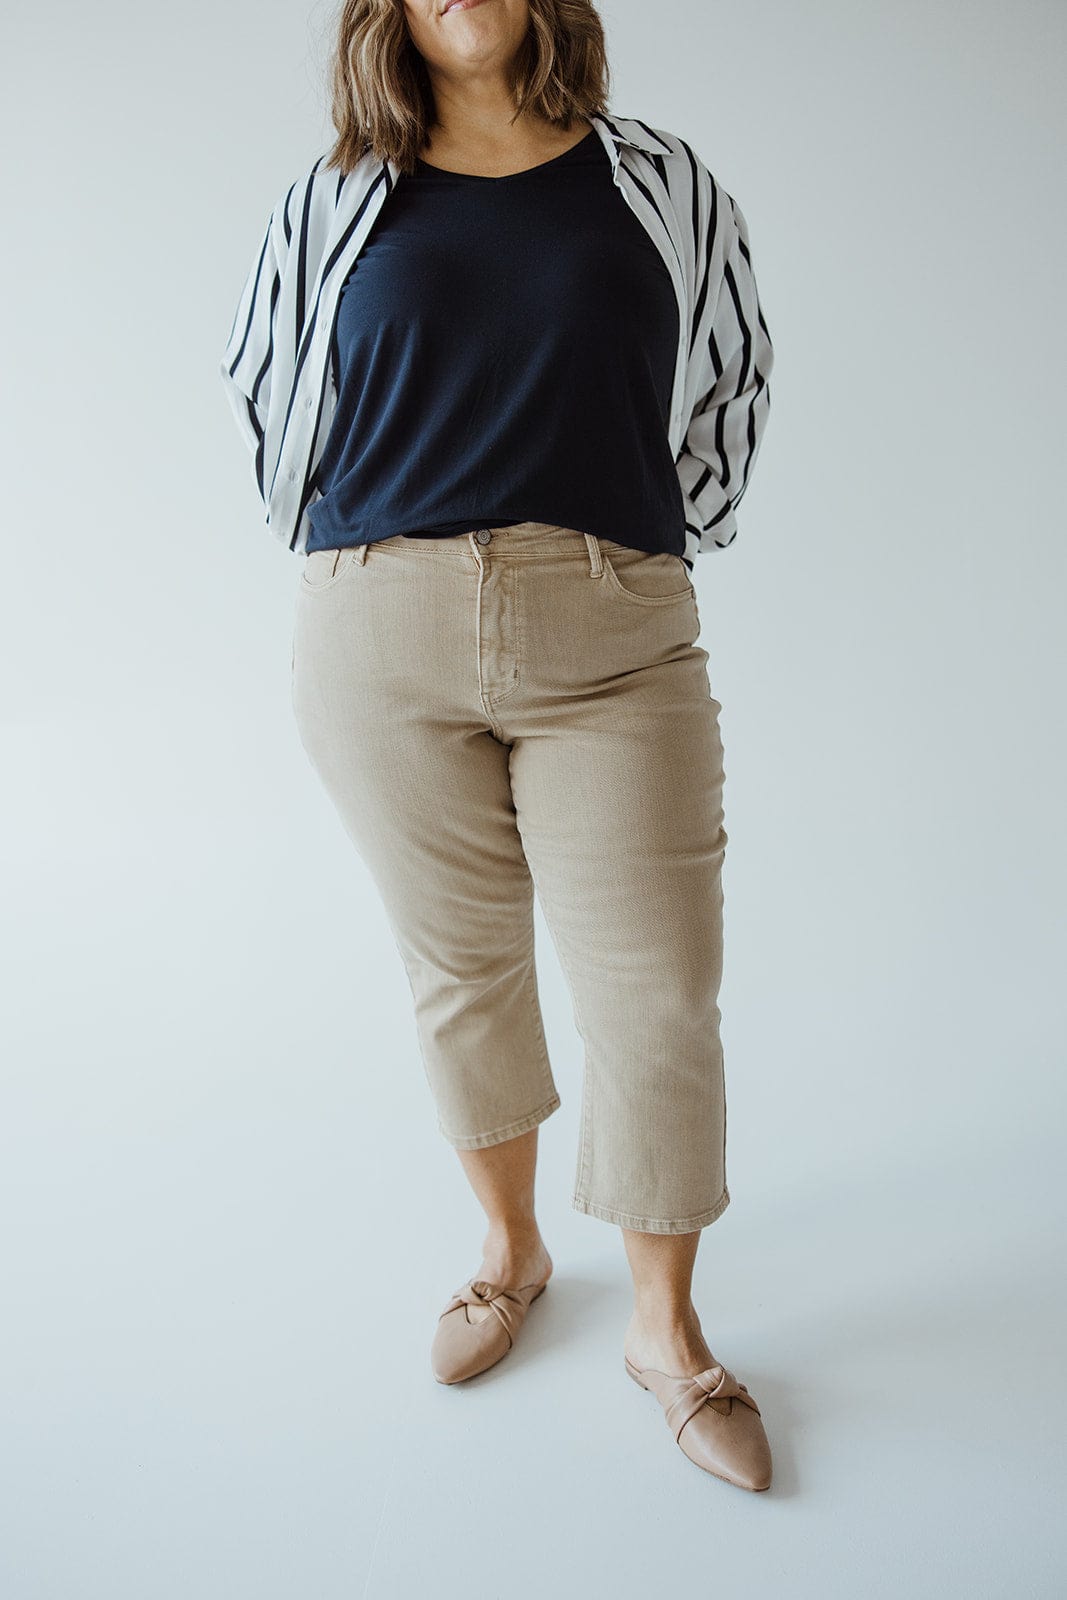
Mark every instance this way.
x=716 y=1386
x=508 y=1304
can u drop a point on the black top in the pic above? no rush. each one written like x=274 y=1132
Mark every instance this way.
x=494 y=338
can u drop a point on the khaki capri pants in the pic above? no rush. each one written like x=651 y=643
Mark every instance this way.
x=526 y=707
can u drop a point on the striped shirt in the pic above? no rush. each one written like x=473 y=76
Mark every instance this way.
x=278 y=373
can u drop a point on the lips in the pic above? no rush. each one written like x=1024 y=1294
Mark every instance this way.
x=459 y=5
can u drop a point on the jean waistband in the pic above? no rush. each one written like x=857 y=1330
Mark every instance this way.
x=519 y=539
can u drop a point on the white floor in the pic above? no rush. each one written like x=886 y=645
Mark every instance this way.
x=221 y=1274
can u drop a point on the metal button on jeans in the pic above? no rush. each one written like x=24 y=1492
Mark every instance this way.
x=483 y=536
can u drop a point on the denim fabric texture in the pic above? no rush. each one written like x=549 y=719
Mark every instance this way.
x=523 y=710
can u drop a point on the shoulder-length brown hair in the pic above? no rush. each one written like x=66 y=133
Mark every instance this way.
x=382 y=100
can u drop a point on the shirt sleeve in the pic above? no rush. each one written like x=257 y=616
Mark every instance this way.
x=727 y=424
x=247 y=360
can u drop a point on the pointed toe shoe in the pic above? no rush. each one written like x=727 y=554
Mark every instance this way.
x=462 y=1348
x=714 y=1420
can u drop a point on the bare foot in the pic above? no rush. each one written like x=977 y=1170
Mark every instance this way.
x=512 y=1263
x=670 y=1343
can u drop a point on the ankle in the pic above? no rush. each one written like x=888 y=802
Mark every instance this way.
x=665 y=1318
x=512 y=1246
x=513 y=1236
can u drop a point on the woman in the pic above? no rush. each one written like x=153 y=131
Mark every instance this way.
x=502 y=365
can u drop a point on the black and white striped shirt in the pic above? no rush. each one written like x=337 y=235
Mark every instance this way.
x=277 y=367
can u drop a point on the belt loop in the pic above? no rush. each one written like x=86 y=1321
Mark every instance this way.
x=472 y=541
x=596 y=560
x=361 y=553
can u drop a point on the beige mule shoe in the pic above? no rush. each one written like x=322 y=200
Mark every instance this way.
x=462 y=1348
x=715 y=1421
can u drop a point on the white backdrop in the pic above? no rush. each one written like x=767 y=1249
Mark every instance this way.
x=229 y=1221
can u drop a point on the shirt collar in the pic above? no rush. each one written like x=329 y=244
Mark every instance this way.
x=627 y=130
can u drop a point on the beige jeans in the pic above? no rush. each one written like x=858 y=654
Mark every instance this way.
x=521 y=707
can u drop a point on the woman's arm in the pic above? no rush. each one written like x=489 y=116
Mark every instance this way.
x=247 y=361
x=734 y=365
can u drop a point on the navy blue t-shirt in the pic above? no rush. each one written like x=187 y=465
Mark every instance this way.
x=504 y=351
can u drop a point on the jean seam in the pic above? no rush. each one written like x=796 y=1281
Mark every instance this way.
x=348 y=561
x=636 y=1224
x=615 y=583
x=584 y=1159
x=500 y=695
x=530 y=985
x=509 y=1130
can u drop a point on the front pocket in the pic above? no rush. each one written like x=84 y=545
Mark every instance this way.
x=324 y=568
x=649 y=578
